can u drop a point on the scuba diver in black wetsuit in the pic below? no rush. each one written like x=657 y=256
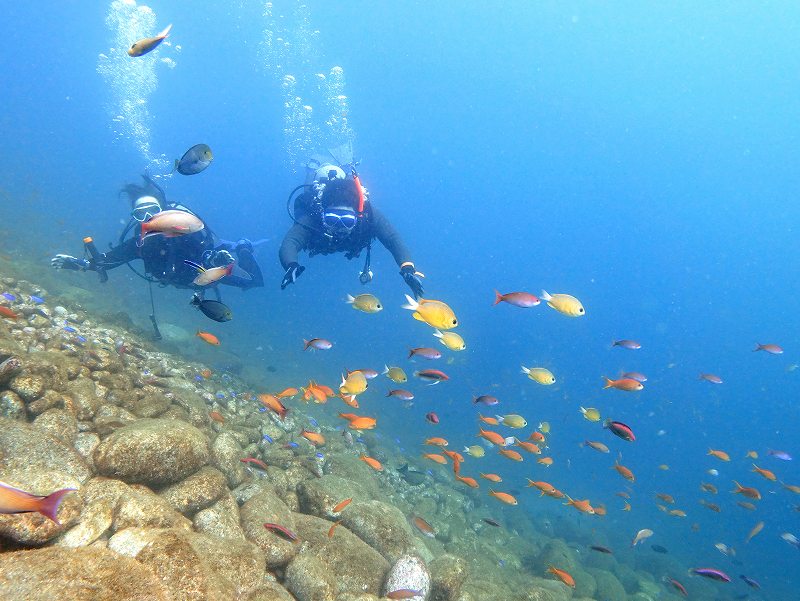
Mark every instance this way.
x=165 y=257
x=334 y=214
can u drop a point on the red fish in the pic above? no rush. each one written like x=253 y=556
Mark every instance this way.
x=432 y=417
x=713 y=378
x=425 y=353
x=14 y=500
x=6 y=312
x=619 y=429
x=208 y=338
x=403 y=395
x=254 y=461
x=433 y=376
x=517 y=299
x=281 y=531
x=626 y=384
x=628 y=344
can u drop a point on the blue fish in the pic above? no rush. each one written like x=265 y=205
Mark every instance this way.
x=266 y=437
x=70 y=329
x=9 y=297
x=80 y=339
x=198 y=378
x=313 y=422
x=502 y=563
x=750 y=582
x=37 y=299
x=262 y=410
x=291 y=445
x=319 y=455
x=220 y=395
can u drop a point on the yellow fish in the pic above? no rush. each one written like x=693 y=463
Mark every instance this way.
x=395 y=374
x=544 y=427
x=512 y=420
x=591 y=414
x=368 y=303
x=451 y=340
x=354 y=383
x=475 y=450
x=434 y=313
x=564 y=304
x=539 y=375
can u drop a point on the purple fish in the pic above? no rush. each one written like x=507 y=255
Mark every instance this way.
x=782 y=455
x=635 y=375
x=711 y=573
x=9 y=297
x=628 y=344
x=620 y=429
x=317 y=343
x=750 y=582
x=403 y=395
x=485 y=399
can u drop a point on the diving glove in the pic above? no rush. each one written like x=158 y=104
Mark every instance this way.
x=69 y=262
x=217 y=258
x=292 y=273
x=412 y=278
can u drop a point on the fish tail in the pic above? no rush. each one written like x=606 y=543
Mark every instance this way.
x=609 y=383
x=738 y=486
x=229 y=269
x=175 y=166
x=569 y=500
x=163 y=35
x=306 y=344
x=759 y=346
x=525 y=370
x=411 y=305
x=498 y=298
x=545 y=296
x=350 y=299
x=438 y=334
x=410 y=353
x=48 y=506
x=499 y=418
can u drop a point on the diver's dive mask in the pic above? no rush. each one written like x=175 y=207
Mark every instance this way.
x=339 y=221
x=145 y=208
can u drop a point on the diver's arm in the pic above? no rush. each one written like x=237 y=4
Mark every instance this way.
x=295 y=240
x=390 y=238
x=118 y=255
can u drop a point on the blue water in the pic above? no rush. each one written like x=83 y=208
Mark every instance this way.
x=641 y=157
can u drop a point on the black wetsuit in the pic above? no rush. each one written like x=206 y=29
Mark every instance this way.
x=164 y=258
x=307 y=234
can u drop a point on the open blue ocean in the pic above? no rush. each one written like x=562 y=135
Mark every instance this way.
x=641 y=157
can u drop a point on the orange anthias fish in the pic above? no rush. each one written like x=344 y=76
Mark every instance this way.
x=530 y=447
x=373 y=463
x=624 y=471
x=562 y=576
x=206 y=373
x=721 y=455
x=491 y=477
x=363 y=423
x=766 y=473
x=287 y=393
x=545 y=461
x=440 y=459
x=350 y=400
x=545 y=487
x=746 y=491
x=582 y=506
x=511 y=454
x=333 y=528
x=423 y=526
x=666 y=498
x=536 y=437
x=14 y=500
x=756 y=529
x=454 y=456
x=492 y=437
x=170 y=224
x=504 y=497
x=145 y=45
x=772 y=349
x=208 y=338
x=274 y=405
x=626 y=384
x=437 y=441
x=488 y=420
x=217 y=417
x=315 y=438
x=471 y=482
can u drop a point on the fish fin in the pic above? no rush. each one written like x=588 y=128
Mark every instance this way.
x=163 y=35
x=417 y=316
x=175 y=166
x=608 y=382
x=197 y=266
x=499 y=418
x=350 y=299
x=306 y=344
x=385 y=369
x=525 y=370
x=758 y=347
x=48 y=506
x=497 y=297
x=438 y=334
x=545 y=296
x=411 y=305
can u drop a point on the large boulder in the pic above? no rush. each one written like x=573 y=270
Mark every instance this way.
x=227 y=455
x=153 y=452
x=197 y=491
x=448 y=573
x=220 y=520
x=349 y=565
x=409 y=572
x=384 y=528
x=87 y=574
x=320 y=495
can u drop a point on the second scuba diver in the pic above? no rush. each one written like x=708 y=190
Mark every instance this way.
x=334 y=214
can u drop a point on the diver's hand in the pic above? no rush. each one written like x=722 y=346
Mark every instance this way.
x=292 y=273
x=69 y=262
x=244 y=244
x=412 y=278
x=220 y=258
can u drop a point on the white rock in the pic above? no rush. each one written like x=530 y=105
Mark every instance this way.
x=409 y=572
